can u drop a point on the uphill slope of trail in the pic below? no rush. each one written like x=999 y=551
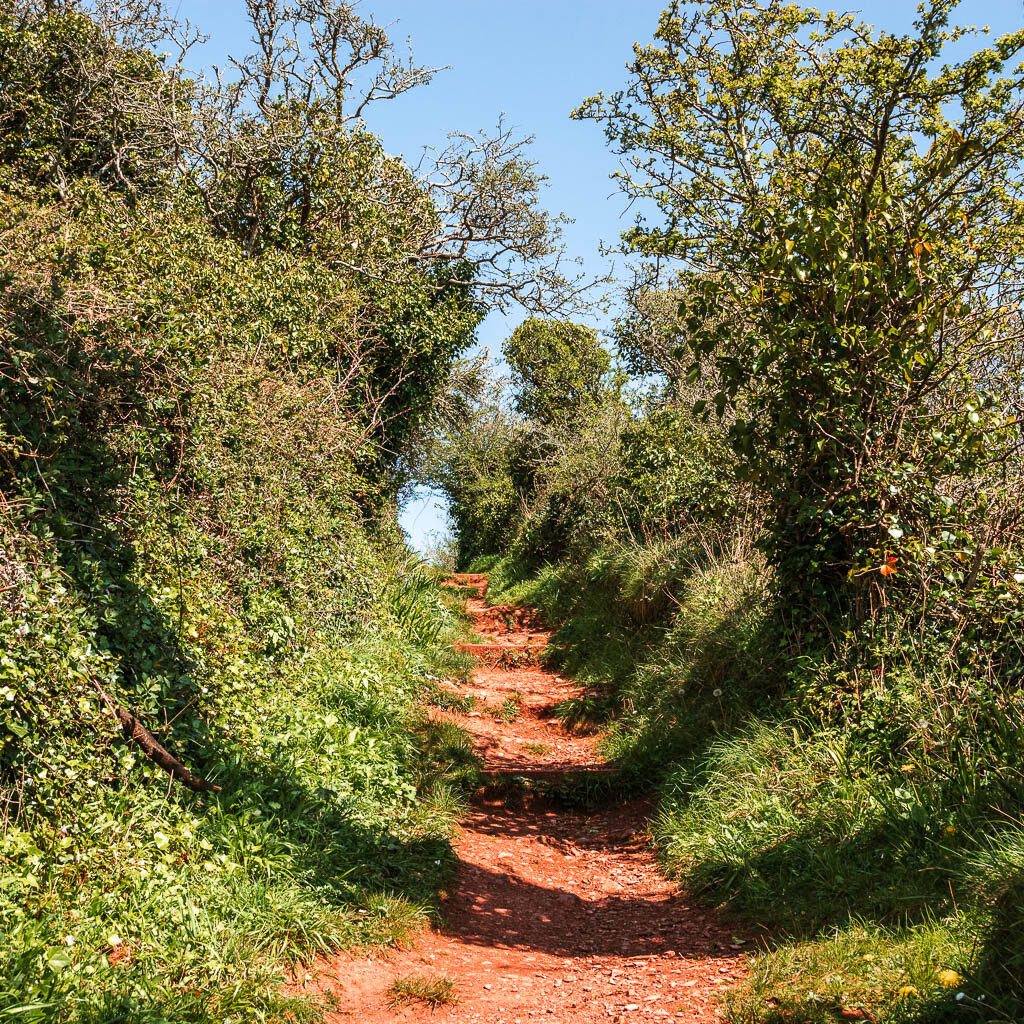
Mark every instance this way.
x=557 y=913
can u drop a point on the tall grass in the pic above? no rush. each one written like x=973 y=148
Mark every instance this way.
x=863 y=824
x=144 y=902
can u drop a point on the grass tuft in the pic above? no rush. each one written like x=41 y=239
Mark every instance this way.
x=509 y=710
x=445 y=700
x=539 y=749
x=431 y=990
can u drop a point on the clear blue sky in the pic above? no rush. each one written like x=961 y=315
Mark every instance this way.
x=533 y=61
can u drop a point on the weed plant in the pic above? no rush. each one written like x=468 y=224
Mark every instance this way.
x=540 y=749
x=448 y=701
x=431 y=990
x=509 y=709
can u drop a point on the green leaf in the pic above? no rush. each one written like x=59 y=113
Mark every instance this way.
x=58 y=959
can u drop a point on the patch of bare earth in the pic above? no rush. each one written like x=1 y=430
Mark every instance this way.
x=557 y=914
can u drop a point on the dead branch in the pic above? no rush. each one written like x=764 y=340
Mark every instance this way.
x=135 y=731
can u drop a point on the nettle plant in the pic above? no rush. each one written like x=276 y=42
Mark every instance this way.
x=846 y=218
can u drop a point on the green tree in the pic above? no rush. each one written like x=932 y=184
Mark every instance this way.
x=86 y=96
x=558 y=369
x=847 y=219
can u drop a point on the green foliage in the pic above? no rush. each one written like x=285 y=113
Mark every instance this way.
x=537 y=748
x=510 y=708
x=559 y=369
x=200 y=440
x=540 y=488
x=995 y=875
x=540 y=482
x=76 y=103
x=675 y=473
x=122 y=896
x=896 y=975
x=847 y=214
x=431 y=990
x=486 y=467
x=184 y=529
x=448 y=701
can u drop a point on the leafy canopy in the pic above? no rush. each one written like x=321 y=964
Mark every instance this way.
x=846 y=221
x=558 y=369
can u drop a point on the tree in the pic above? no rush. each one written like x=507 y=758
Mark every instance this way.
x=846 y=219
x=559 y=369
x=280 y=156
x=276 y=146
x=273 y=153
x=86 y=95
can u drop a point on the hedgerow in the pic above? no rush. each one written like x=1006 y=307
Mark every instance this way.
x=226 y=316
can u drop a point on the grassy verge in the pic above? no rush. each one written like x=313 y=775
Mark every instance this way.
x=137 y=900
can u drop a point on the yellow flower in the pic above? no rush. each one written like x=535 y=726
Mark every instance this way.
x=949 y=978
x=908 y=992
x=951 y=830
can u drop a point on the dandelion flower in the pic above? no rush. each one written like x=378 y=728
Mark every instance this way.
x=908 y=992
x=948 y=978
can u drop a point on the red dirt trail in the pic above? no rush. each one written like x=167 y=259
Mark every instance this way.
x=557 y=914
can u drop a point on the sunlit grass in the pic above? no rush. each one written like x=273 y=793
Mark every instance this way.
x=431 y=990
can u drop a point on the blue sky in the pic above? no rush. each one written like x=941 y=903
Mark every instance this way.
x=532 y=61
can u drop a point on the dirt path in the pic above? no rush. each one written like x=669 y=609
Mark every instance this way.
x=557 y=915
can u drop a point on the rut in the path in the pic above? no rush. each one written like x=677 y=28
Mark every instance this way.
x=558 y=914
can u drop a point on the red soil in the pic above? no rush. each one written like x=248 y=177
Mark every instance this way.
x=557 y=914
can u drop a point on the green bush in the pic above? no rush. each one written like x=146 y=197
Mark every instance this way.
x=675 y=474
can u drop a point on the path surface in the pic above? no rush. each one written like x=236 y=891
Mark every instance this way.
x=557 y=914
